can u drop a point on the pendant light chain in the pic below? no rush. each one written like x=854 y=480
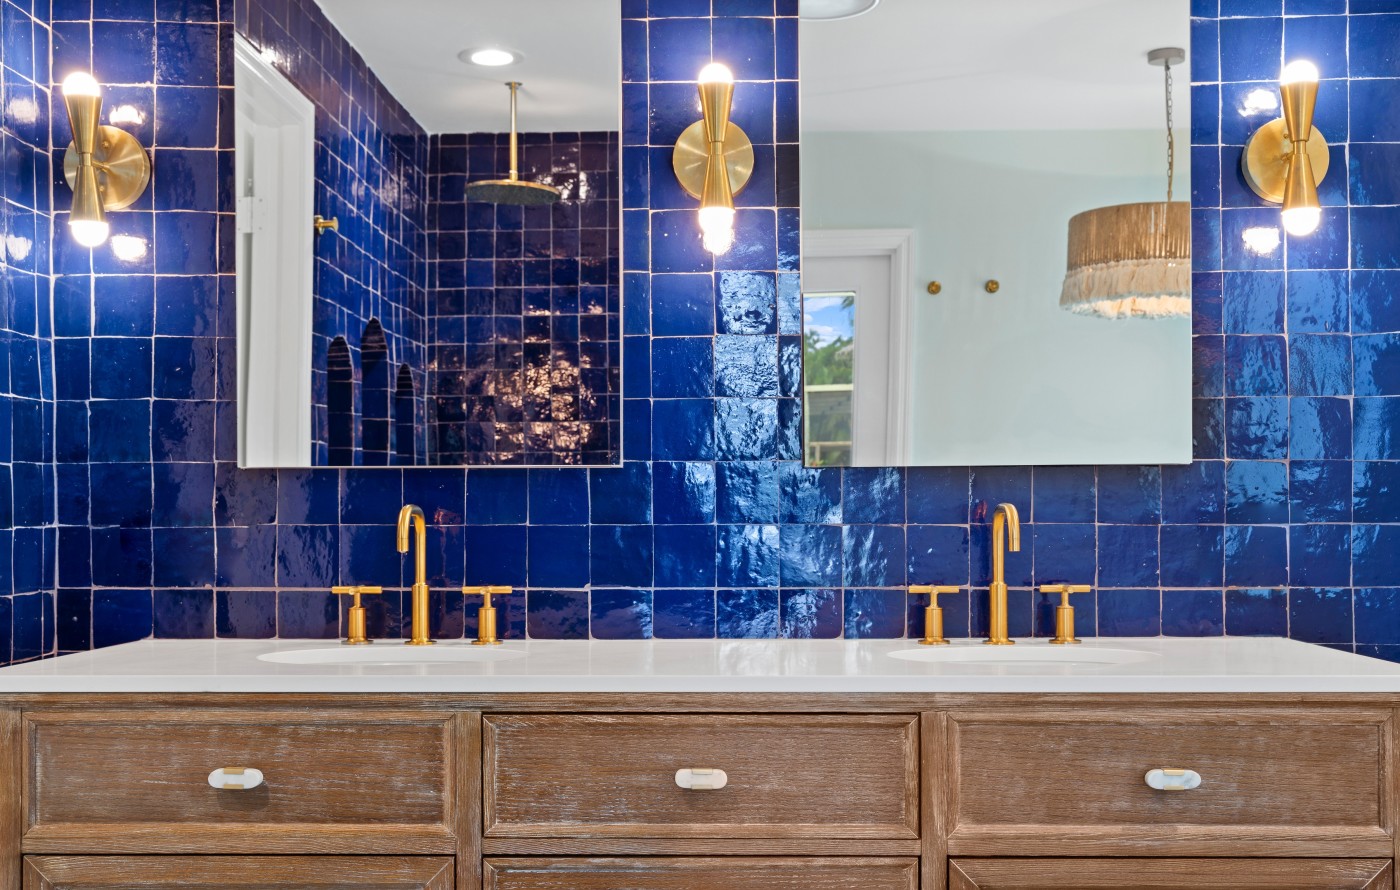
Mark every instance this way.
x=1171 y=137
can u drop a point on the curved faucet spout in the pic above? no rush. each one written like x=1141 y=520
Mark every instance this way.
x=1006 y=524
x=412 y=516
x=1006 y=535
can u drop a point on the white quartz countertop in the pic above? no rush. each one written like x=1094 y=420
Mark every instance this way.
x=1217 y=664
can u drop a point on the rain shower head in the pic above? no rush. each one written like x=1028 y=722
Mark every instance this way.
x=513 y=190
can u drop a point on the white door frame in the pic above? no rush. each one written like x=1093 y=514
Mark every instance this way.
x=897 y=246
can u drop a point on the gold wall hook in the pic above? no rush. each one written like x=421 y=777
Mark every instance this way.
x=992 y=285
x=322 y=225
x=1064 y=613
x=355 y=621
x=933 y=613
x=486 y=615
x=935 y=287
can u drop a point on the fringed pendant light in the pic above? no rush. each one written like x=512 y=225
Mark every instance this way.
x=1134 y=260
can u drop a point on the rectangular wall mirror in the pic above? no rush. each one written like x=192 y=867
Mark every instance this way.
x=427 y=257
x=942 y=163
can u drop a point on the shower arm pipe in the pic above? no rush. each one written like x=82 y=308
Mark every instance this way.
x=514 y=142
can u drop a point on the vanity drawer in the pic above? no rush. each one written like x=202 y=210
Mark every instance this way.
x=1065 y=782
x=336 y=782
x=246 y=873
x=703 y=873
x=1169 y=874
x=789 y=776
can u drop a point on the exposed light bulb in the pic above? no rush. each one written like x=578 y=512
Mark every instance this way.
x=1299 y=221
x=717 y=229
x=1299 y=72
x=89 y=232
x=80 y=83
x=715 y=73
x=1262 y=240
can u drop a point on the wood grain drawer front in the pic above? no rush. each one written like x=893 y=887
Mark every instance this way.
x=1169 y=874
x=788 y=776
x=224 y=873
x=333 y=783
x=706 y=873
x=1282 y=782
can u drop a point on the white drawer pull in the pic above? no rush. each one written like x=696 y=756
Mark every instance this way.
x=1173 y=779
x=236 y=778
x=701 y=779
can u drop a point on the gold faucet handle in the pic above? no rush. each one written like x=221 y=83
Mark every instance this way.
x=1064 y=590
x=486 y=615
x=933 y=590
x=356 y=593
x=486 y=592
x=933 y=613
x=1064 y=612
x=356 y=634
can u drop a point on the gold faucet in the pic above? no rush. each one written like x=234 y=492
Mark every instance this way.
x=1006 y=535
x=486 y=615
x=412 y=514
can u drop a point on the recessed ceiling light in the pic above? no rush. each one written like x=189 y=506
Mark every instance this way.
x=490 y=57
x=827 y=10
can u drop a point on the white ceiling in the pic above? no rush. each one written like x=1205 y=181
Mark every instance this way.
x=570 y=69
x=906 y=65
x=993 y=65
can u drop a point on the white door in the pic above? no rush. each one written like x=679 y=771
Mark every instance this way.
x=855 y=331
x=274 y=144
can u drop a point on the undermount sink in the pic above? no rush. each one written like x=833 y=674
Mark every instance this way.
x=391 y=654
x=1028 y=654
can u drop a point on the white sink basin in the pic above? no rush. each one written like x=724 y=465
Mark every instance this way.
x=1025 y=654
x=393 y=653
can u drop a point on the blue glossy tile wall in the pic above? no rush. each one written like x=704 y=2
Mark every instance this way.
x=1288 y=522
x=28 y=538
x=525 y=343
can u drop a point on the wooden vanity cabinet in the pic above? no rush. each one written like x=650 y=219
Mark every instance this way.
x=237 y=873
x=1170 y=874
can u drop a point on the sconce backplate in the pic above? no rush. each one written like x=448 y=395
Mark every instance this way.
x=1265 y=159
x=123 y=167
x=692 y=156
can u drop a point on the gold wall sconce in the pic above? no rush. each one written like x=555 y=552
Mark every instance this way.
x=105 y=166
x=714 y=158
x=1286 y=158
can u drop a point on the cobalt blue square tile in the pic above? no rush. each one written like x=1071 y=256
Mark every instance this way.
x=1065 y=494
x=789 y=240
x=367 y=555
x=620 y=614
x=1372 y=105
x=1377 y=365
x=187 y=241
x=937 y=554
x=678 y=48
x=1129 y=613
x=1373 y=242
x=1320 y=491
x=120 y=430
x=810 y=614
x=128 y=51
x=245 y=557
x=746 y=614
x=1205 y=129
x=1372 y=42
x=1320 y=555
x=495 y=554
x=746 y=45
x=747 y=491
x=245 y=614
x=118 y=616
x=185 y=305
x=307 y=555
x=27 y=629
x=1385 y=653
x=182 y=430
x=1254 y=302
x=1254 y=612
x=371 y=498
x=1377 y=612
x=665 y=191
x=557 y=614
x=621 y=495
x=1130 y=495
x=1250 y=48
x=1128 y=555
x=1375 y=302
x=1256 y=492
x=73 y=616
x=746 y=303
x=938 y=495
x=1327 y=247
x=621 y=554
x=1317 y=302
x=746 y=367
x=121 y=368
x=1019 y=563
x=1020 y=607
x=184 y=367
x=1320 y=615
x=1257 y=428
x=1376 y=492
x=184 y=557
x=558 y=556
x=1064 y=554
x=685 y=555
x=996 y=485
x=558 y=497
x=873 y=495
x=1256 y=366
x=122 y=307
x=682 y=305
x=1314 y=7
x=1236 y=8
x=636 y=432
x=636 y=235
x=874 y=614
x=440 y=492
x=186 y=54
x=1193 y=613
x=1373 y=432
x=746 y=429
x=637 y=307
x=1373 y=549
x=245 y=497
x=315 y=615
x=683 y=429
x=1242 y=247
x=636 y=379
x=1205 y=184
x=1194 y=493
x=635 y=61
x=188 y=119
x=121 y=557
x=1320 y=40
x=755 y=242
x=1319 y=429
x=683 y=492
x=1256 y=556
x=684 y=614
x=1193 y=555
x=873 y=555
x=810 y=555
x=747 y=556
x=810 y=494
x=1204 y=57
x=1372 y=178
